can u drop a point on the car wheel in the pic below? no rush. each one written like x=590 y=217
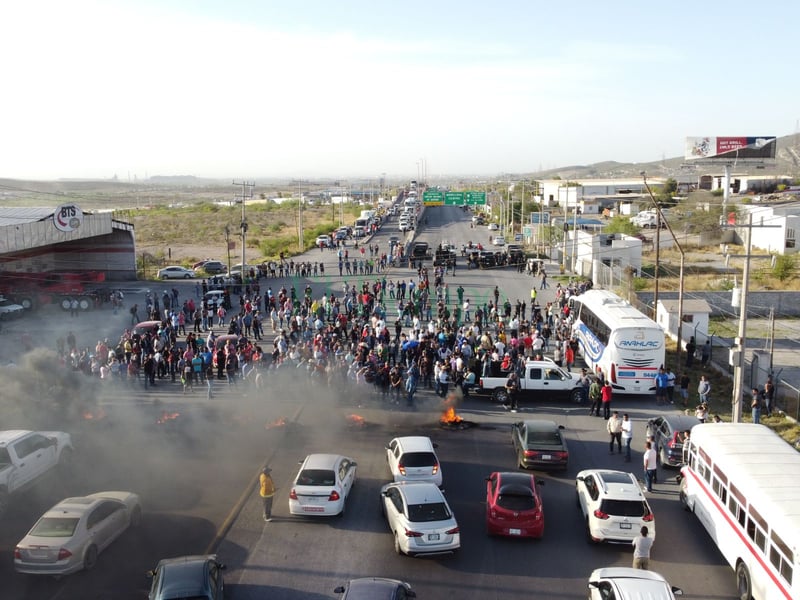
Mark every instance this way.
x=744 y=585
x=90 y=558
x=65 y=460
x=26 y=303
x=66 y=303
x=186 y=276
x=341 y=512
x=589 y=537
x=576 y=395
x=663 y=458
x=136 y=516
x=397 y=547
x=500 y=395
x=84 y=304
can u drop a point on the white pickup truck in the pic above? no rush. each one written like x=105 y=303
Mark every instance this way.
x=25 y=456
x=543 y=379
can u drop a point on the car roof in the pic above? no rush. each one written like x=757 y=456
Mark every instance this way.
x=634 y=584
x=11 y=434
x=372 y=588
x=419 y=492
x=415 y=443
x=541 y=425
x=321 y=461
x=617 y=484
x=515 y=479
x=184 y=575
x=76 y=506
x=681 y=422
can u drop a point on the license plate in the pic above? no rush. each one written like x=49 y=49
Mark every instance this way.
x=313 y=509
x=38 y=553
x=433 y=537
x=515 y=532
x=624 y=525
x=547 y=457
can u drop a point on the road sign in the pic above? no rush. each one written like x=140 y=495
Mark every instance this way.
x=540 y=217
x=527 y=231
x=432 y=198
x=475 y=198
x=454 y=198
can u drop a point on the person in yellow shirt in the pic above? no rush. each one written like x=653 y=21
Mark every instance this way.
x=267 y=491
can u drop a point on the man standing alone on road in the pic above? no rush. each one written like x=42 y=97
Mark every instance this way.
x=650 y=466
x=267 y=491
x=627 y=435
x=614 y=427
x=641 y=549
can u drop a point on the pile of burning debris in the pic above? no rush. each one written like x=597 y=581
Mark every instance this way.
x=450 y=420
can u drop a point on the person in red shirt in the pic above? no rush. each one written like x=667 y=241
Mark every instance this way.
x=605 y=396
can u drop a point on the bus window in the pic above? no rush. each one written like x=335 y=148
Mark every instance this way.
x=736 y=504
x=719 y=483
x=756 y=529
x=781 y=557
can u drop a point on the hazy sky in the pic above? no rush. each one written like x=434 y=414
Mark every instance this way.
x=314 y=88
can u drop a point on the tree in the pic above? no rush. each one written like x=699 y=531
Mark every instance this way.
x=784 y=266
x=621 y=224
x=667 y=191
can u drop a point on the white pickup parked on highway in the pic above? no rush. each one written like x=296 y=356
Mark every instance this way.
x=25 y=456
x=542 y=379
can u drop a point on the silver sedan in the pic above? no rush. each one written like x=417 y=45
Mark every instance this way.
x=70 y=536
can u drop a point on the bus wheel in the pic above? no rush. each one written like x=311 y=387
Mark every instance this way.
x=743 y=583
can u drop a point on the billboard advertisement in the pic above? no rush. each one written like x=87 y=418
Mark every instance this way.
x=730 y=148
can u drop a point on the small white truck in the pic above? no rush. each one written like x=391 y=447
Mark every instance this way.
x=542 y=380
x=25 y=456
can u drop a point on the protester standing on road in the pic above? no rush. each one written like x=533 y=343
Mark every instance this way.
x=650 y=466
x=266 y=491
x=605 y=395
x=627 y=435
x=756 y=404
x=512 y=387
x=614 y=428
x=594 y=397
x=703 y=389
x=641 y=549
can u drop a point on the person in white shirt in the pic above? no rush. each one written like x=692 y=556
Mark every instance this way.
x=627 y=436
x=650 y=465
x=641 y=549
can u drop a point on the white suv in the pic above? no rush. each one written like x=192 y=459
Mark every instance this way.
x=613 y=506
x=414 y=458
x=623 y=583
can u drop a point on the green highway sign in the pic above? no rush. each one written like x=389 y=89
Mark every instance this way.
x=475 y=198
x=527 y=231
x=432 y=198
x=454 y=199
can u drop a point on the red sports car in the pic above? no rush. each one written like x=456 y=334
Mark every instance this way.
x=513 y=505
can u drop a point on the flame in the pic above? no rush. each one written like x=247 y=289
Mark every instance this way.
x=167 y=416
x=280 y=422
x=97 y=415
x=356 y=420
x=449 y=416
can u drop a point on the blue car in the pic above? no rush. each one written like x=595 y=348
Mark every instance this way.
x=195 y=577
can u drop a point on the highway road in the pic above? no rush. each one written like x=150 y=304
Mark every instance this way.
x=196 y=474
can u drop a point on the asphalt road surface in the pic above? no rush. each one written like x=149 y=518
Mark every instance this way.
x=196 y=475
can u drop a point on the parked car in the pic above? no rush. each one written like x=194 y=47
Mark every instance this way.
x=499 y=240
x=188 y=577
x=214 y=299
x=322 y=485
x=668 y=432
x=322 y=240
x=70 y=536
x=413 y=458
x=375 y=588
x=494 y=227
x=212 y=267
x=420 y=518
x=9 y=310
x=541 y=444
x=613 y=506
x=175 y=272
x=146 y=327
x=513 y=505
x=625 y=583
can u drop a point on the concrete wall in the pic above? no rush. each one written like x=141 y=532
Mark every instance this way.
x=786 y=304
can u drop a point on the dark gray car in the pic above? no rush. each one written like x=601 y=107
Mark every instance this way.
x=197 y=577
x=668 y=432
x=375 y=588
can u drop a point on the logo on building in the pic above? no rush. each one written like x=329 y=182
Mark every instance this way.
x=68 y=217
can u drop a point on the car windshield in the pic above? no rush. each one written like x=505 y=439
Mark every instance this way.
x=422 y=513
x=546 y=438
x=418 y=459
x=5 y=459
x=624 y=508
x=55 y=527
x=516 y=502
x=316 y=477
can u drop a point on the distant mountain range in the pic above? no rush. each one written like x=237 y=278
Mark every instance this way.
x=787 y=163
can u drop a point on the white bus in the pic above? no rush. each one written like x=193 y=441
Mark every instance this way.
x=615 y=337
x=743 y=483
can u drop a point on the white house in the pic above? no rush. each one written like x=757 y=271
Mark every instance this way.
x=587 y=251
x=775 y=228
x=695 y=318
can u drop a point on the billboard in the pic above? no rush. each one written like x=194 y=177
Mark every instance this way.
x=745 y=149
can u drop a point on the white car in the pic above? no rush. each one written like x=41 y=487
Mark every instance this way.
x=175 y=272
x=323 y=240
x=499 y=240
x=420 y=518
x=625 y=583
x=214 y=298
x=413 y=458
x=322 y=485
x=69 y=536
x=9 y=310
x=493 y=227
x=613 y=505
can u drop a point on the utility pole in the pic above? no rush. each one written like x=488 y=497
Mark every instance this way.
x=300 y=240
x=247 y=194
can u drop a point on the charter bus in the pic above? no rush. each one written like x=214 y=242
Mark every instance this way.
x=743 y=483
x=618 y=339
